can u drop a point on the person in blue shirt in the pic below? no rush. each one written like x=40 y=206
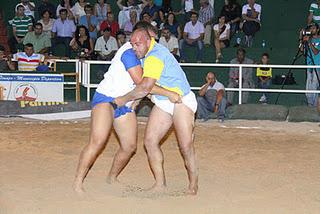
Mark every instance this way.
x=90 y=21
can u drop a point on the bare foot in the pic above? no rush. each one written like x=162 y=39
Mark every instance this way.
x=112 y=180
x=78 y=188
x=192 y=190
x=157 y=188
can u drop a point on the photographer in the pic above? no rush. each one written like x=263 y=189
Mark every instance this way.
x=310 y=45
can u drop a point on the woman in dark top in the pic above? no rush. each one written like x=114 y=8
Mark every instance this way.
x=82 y=44
x=232 y=12
x=173 y=26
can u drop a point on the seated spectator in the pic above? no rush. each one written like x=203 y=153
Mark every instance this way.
x=192 y=36
x=314 y=13
x=90 y=21
x=79 y=9
x=232 y=12
x=147 y=18
x=110 y=23
x=41 y=42
x=221 y=37
x=21 y=25
x=82 y=44
x=28 y=60
x=28 y=8
x=62 y=32
x=170 y=42
x=47 y=22
x=129 y=25
x=106 y=45
x=264 y=77
x=68 y=5
x=211 y=99
x=251 y=13
x=173 y=26
x=45 y=5
x=124 y=16
x=247 y=73
x=5 y=61
x=152 y=10
x=101 y=9
x=121 y=38
x=206 y=15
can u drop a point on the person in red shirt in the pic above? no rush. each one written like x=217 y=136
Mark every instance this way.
x=111 y=23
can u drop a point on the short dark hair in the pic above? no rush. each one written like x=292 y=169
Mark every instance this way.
x=46 y=10
x=265 y=54
x=144 y=25
x=38 y=24
x=63 y=10
x=28 y=45
x=107 y=29
x=194 y=13
x=2 y=48
x=20 y=6
x=120 y=32
x=87 y=6
x=242 y=50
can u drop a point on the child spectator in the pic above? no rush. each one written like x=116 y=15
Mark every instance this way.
x=264 y=77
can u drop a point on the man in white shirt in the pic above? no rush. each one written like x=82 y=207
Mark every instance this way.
x=211 y=99
x=171 y=42
x=193 y=35
x=251 y=13
x=106 y=45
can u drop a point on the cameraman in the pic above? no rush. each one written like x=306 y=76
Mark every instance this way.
x=311 y=48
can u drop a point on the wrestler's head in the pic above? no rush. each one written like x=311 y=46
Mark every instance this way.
x=146 y=26
x=140 y=41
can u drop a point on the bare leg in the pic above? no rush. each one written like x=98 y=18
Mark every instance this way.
x=158 y=125
x=126 y=128
x=101 y=123
x=183 y=120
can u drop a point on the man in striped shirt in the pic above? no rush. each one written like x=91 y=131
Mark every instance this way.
x=21 y=25
x=28 y=60
x=314 y=13
x=205 y=17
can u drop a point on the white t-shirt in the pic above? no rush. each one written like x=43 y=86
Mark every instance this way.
x=27 y=10
x=247 y=10
x=194 y=31
x=217 y=86
x=171 y=44
x=224 y=33
x=106 y=47
x=77 y=10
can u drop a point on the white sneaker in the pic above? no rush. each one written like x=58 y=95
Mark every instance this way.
x=263 y=98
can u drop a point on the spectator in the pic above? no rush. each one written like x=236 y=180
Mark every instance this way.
x=221 y=36
x=82 y=44
x=264 y=77
x=129 y=25
x=62 y=32
x=28 y=8
x=90 y=21
x=251 y=13
x=192 y=36
x=5 y=61
x=187 y=8
x=106 y=45
x=205 y=17
x=79 y=10
x=123 y=16
x=247 y=73
x=40 y=41
x=314 y=13
x=111 y=23
x=68 y=5
x=164 y=10
x=147 y=18
x=28 y=60
x=211 y=99
x=173 y=26
x=151 y=9
x=170 y=42
x=121 y=38
x=45 y=5
x=47 y=22
x=21 y=25
x=101 y=9
x=232 y=12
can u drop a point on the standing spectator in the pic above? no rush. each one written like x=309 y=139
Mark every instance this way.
x=101 y=9
x=232 y=12
x=192 y=36
x=90 y=21
x=62 y=31
x=205 y=17
x=28 y=60
x=187 y=8
x=264 y=77
x=82 y=44
x=45 y=5
x=247 y=73
x=5 y=61
x=211 y=99
x=47 y=22
x=79 y=10
x=21 y=25
x=111 y=23
x=29 y=7
x=221 y=36
x=153 y=10
x=123 y=16
x=129 y=25
x=40 y=41
x=106 y=45
x=251 y=14
x=68 y=5
x=121 y=38
x=170 y=42
x=314 y=13
x=173 y=26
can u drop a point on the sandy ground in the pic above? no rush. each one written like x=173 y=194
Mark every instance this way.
x=245 y=167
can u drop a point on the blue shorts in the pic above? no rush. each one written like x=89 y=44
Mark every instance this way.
x=101 y=98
